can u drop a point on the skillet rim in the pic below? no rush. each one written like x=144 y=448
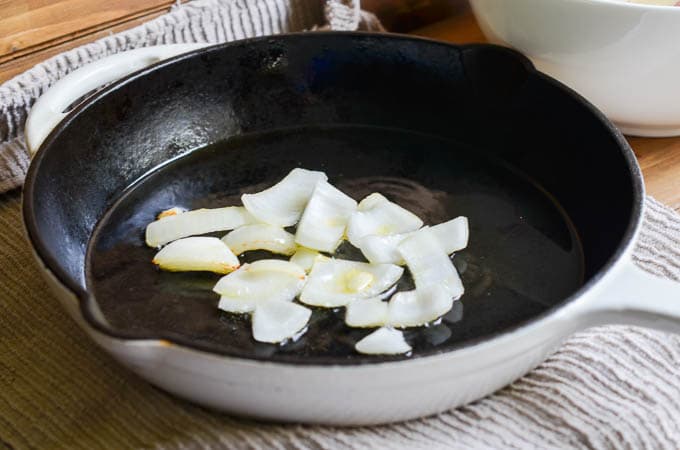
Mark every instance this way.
x=85 y=298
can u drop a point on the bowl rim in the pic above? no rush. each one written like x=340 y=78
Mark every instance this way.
x=630 y=5
x=86 y=299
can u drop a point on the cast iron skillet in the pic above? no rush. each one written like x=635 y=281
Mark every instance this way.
x=551 y=190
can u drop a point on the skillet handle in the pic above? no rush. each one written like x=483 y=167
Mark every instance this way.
x=49 y=109
x=636 y=297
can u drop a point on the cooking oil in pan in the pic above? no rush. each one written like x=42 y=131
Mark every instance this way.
x=523 y=256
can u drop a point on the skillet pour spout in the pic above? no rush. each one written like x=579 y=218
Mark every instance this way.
x=446 y=130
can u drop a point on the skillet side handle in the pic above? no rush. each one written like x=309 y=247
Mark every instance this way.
x=636 y=297
x=49 y=109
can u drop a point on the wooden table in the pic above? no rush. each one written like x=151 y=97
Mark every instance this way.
x=31 y=31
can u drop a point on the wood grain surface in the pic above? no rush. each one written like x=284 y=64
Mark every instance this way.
x=14 y=66
x=33 y=30
x=27 y=26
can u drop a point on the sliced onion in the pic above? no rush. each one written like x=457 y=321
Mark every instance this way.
x=199 y=221
x=337 y=282
x=305 y=258
x=452 y=235
x=196 y=254
x=383 y=341
x=283 y=203
x=264 y=280
x=378 y=216
x=366 y=313
x=419 y=307
x=237 y=305
x=276 y=265
x=277 y=321
x=323 y=223
x=382 y=249
x=260 y=236
x=429 y=264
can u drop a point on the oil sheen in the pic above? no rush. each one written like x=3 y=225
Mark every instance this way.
x=523 y=257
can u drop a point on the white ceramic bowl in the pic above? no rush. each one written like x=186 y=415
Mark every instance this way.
x=623 y=57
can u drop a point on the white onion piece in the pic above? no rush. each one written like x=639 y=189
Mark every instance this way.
x=382 y=249
x=305 y=258
x=196 y=254
x=378 y=216
x=283 y=203
x=277 y=321
x=264 y=280
x=452 y=236
x=383 y=341
x=419 y=307
x=198 y=221
x=371 y=201
x=237 y=305
x=260 y=236
x=366 y=313
x=323 y=222
x=337 y=282
x=276 y=265
x=429 y=264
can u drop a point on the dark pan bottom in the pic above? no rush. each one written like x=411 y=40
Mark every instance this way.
x=524 y=256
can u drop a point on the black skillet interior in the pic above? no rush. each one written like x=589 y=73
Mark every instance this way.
x=441 y=129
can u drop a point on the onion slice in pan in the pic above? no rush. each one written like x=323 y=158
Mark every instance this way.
x=196 y=254
x=283 y=203
x=382 y=249
x=305 y=258
x=383 y=341
x=429 y=264
x=199 y=221
x=367 y=313
x=437 y=282
x=277 y=321
x=323 y=222
x=376 y=215
x=261 y=281
x=260 y=236
x=337 y=282
x=452 y=237
x=237 y=305
x=418 y=307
